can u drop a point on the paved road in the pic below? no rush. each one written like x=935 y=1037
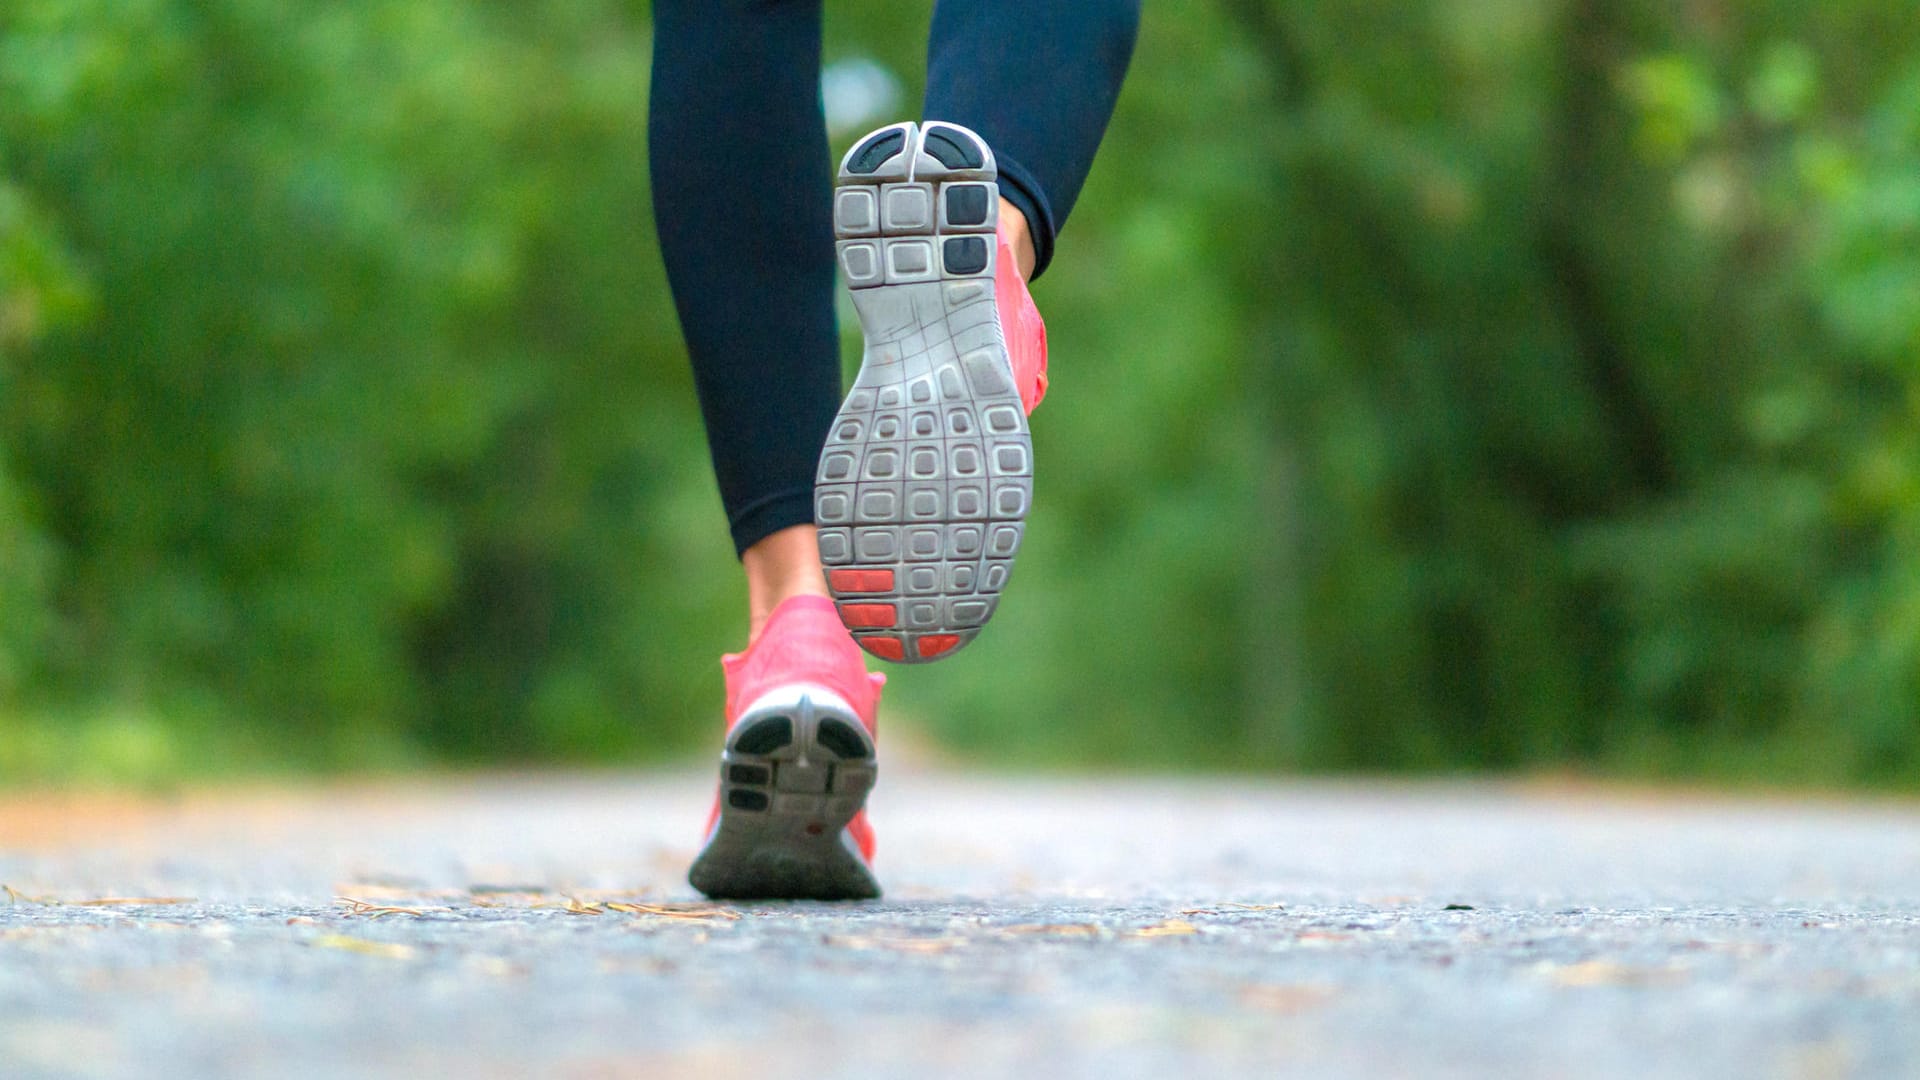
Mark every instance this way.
x=1033 y=927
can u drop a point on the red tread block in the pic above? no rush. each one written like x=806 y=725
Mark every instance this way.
x=868 y=616
x=933 y=645
x=886 y=648
x=856 y=581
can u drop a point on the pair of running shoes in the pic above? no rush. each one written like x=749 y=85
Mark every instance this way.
x=923 y=487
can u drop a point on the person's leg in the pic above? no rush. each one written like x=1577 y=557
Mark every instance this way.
x=741 y=187
x=741 y=183
x=1038 y=80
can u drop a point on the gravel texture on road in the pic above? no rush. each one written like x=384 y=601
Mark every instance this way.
x=1068 y=928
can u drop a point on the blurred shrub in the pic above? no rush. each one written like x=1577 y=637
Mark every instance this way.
x=38 y=288
x=371 y=432
x=1521 y=385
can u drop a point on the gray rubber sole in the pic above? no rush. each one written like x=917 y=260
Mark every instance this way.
x=926 y=479
x=797 y=767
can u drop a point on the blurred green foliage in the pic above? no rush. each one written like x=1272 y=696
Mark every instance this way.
x=1436 y=385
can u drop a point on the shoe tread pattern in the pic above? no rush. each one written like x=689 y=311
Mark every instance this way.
x=793 y=774
x=926 y=479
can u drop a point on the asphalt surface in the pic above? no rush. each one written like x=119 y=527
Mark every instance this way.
x=1065 y=928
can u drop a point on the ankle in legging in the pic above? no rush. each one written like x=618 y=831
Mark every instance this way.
x=742 y=186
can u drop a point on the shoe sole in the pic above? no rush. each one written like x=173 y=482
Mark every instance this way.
x=797 y=767
x=927 y=476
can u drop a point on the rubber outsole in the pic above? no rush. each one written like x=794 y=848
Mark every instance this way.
x=927 y=476
x=797 y=767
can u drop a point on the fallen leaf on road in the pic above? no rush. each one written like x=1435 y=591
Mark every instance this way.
x=1221 y=907
x=1285 y=998
x=644 y=965
x=1055 y=929
x=386 y=950
x=375 y=911
x=577 y=902
x=699 y=913
x=897 y=944
x=1608 y=973
x=1170 y=928
x=497 y=966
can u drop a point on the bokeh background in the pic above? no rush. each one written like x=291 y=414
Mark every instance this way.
x=1441 y=385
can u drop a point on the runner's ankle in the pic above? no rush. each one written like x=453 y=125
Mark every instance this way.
x=1019 y=237
x=780 y=566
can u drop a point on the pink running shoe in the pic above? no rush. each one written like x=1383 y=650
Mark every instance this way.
x=790 y=821
x=927 y=476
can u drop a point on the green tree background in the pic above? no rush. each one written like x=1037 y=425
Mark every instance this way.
x=1479 y=385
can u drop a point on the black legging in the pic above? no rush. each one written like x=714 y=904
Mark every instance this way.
x=742 y=185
